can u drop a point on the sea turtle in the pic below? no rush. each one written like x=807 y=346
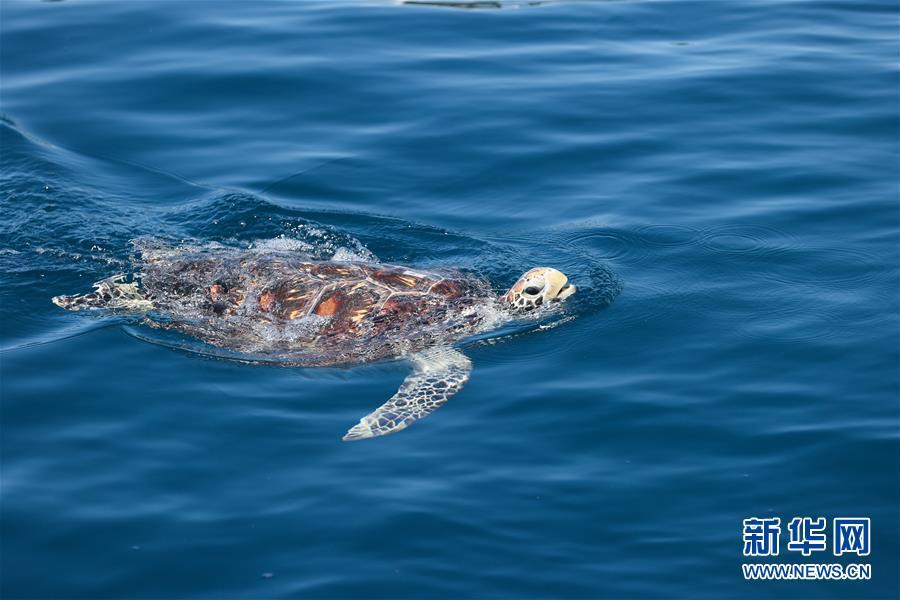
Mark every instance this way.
x=323 y=313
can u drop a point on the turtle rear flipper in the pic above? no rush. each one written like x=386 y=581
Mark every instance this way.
x=111 y=294
x=438 y=374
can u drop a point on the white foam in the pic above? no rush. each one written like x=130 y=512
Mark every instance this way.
x=282 y=244
x=313 y=243
x=342 y=254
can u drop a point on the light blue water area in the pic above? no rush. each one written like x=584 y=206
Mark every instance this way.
x=732 y=166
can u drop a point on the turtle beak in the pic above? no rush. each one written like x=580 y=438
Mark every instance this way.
x=558 y=286
x=566 y=291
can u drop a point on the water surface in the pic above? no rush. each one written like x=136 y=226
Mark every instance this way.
x=733 y=164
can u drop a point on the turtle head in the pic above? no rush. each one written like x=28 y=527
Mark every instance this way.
x=538 y=286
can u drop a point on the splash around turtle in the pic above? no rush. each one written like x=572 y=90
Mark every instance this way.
x=326 y=313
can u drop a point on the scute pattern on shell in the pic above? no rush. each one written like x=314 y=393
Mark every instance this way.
x=320 y=312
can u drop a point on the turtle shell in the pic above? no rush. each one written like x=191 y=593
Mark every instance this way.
x=333 y=311
x=350 y=296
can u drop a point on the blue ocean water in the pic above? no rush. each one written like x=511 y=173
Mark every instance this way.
x=734 y=164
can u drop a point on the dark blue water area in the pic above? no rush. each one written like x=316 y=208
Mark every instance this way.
x=720 y=179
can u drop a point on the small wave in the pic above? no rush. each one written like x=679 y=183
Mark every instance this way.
x=476 y=4
x=669 y=235
x=610 y=245
x=250 y=221
x=827 y=266
x=754 y=240
x=794 y=321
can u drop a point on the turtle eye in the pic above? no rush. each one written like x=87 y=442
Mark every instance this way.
x=532 y=290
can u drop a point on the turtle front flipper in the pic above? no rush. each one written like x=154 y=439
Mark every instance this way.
x=438 y=373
